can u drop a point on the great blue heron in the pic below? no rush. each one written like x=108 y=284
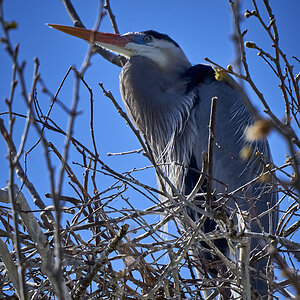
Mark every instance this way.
x=169 y=101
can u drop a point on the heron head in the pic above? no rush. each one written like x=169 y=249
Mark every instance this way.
x=151 y=44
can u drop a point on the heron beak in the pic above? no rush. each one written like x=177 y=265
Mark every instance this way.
x=113 y=42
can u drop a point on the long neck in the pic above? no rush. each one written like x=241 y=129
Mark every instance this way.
x=155 y=100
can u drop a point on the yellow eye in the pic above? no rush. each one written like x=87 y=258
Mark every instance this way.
x=147 y=38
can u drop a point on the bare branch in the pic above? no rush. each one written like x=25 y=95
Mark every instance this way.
x=111 y=16
x=211 y=143
x=85 y=282
x=72 y=13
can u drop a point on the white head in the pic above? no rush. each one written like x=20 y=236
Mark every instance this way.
x=156 y=46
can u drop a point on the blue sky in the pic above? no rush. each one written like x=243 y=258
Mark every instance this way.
x=201 y=28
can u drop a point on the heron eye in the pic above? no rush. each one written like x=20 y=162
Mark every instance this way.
x=147 y=38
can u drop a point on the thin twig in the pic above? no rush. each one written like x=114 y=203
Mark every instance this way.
x=111 y=16
x=72 y=13
x=211 y=128
x=12 y=197
x=86 y=281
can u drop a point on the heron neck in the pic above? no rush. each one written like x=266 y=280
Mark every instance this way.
x=155 y=100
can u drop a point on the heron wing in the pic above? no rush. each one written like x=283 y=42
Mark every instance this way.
x=233 y=115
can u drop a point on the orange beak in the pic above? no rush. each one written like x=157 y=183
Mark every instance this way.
x=101 y=38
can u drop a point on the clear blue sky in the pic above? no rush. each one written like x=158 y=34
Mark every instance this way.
x=201 y=28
